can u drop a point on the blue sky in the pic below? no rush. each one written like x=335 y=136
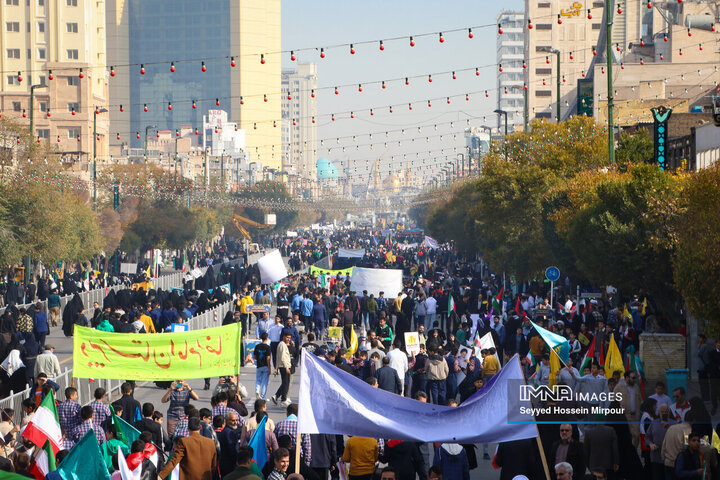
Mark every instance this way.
x=321 y=23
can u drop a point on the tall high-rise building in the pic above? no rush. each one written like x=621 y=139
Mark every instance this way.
x=510 y=55
x=56 y=49
x=299 y=133
x=174 y=45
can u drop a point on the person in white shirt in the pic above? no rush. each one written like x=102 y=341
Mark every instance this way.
x=660 y=397
x=398 y=361
x=431 y=305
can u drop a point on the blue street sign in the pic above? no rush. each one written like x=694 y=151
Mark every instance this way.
x=552 y=274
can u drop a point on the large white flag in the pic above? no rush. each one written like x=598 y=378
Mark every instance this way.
x=272 y=268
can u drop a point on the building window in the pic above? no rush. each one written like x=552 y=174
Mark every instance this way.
x=73 y=106
x=544 y=26
x=544 y=5
x=16 y=106
x=41 y=53
x=73 y=81
x=542 y=48
x=42 y=80
x=543 y=93
x=72 y=27
x=73 y=132
x=543 y=71
x=72 y=54
x=12 y=2
x=72 y=3
x=12 y=80
x=41 y=27
x=543 y=115
x=596 y=26
x=13 y=53
x=43 y=133
x=13 y=26
x=43 y=106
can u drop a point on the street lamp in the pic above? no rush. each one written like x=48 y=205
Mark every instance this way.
x=32 y=109
x=146 y=137
x=461 y=159
x=557 y=53
x=95 y=114
x=504 y=113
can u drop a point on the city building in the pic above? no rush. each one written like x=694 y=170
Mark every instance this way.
x=299 y=133
x=57 y=49
x=196 y=56
x=510 y=55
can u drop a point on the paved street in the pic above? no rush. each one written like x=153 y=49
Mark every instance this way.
x=148 y=392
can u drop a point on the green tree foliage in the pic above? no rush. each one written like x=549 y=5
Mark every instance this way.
x=696 y=259
x=267 y=191
x=635 y=148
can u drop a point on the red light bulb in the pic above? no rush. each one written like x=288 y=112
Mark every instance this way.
x=477 y=72
x=121 y=108
x=407 y=82
x=594 y=51
x=524 y=64
x=274 y=124
x=448 y=100
x=50 y=75
x=467 y=97
x=383 y=84
x=336 y=91
x=118 y=136
x=289 y=97
x=142 y=69
x=157 y=135
x=24 y=115
x=412 y=42
x=563 y=78
x=313 y=119
x=19 y=77
x=454 y=77
x=292 y=56
x=232 y=61
x=441 y=39
x=500 y=29
x=78 y=139
x=58 y=139
x=197 y=132
x=382 y=46
x=559 y=20
x=619 y=10
x=572 y=57
x=242 y=102
x=547 y=59
x=294 y=122
x=48 y=113
x=72 y=112
x=544 y=82
x=203 y=67
x=177 y=132
x=169 y=106
x=391 y=110
x=589 y=16
x=689 y=33
x=312 y=93
x=217 y=102
x=97 y=111
x=81 y=74
x=172 y=66
x=332 y=117
x=530 y=25
x=145 y=107
x=642 y=62
x=352 y=115
x=486 y=94
x=112 y=71
x=262 y=58
x=138 y=135
x=352 y=49
x=194 y=105
x=680 y=52
x=409 y=106
x=470 y=34
x=322 y=53
x=500 y=67
x=701 y=47
x=430 y=78
x=264 y=97
x=371 y=112
x=662 y=57
x=642 y=42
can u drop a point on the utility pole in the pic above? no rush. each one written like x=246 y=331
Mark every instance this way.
x=527 y=111
x=175 y=157
x=32 y=107
x=95 y=114
x=609 y=6
x=557 y=53
x=146 y=140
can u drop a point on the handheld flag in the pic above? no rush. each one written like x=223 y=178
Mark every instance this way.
x=257 y=442
x=588 y=358
x=84 y=461
x=557 y=343
x=613 y=361
x=353 y=344
x=44 y=462
x=496 y=301
x=44 y=425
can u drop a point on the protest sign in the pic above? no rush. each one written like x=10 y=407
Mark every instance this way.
x=210 y=352
x=376 y=280
x=412 y=343
x=271 y=267
x=335 y=332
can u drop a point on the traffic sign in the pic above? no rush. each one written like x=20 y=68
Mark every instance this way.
x=552 y=274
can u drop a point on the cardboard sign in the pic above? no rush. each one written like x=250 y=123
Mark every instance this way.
x=412 y=343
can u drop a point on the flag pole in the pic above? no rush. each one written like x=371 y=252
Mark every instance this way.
x=298 y=443
x=537 y=438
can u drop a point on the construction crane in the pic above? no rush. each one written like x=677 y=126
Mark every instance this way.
x=241 y=222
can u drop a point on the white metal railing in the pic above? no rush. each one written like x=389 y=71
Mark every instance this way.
x=86 y=387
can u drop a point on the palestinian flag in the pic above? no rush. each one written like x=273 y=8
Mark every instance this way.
x=44 y=426
x=44 y=462
x=451 y=303
x=588 y=358
x=496 y=305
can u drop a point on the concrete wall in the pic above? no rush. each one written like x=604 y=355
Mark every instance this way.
x=661 y=351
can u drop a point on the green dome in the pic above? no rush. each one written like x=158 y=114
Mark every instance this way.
x=326 y=170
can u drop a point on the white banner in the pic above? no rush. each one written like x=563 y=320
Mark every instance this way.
x=272 y=268
x=129 y=268
x=351 y=253
x=431 y=242
x=376 y=280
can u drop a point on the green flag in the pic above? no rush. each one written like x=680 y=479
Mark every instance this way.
x=84 y=461
x=124 y=432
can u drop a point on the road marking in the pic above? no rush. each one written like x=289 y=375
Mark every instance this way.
x=66 y=360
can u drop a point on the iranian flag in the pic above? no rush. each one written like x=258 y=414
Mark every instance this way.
x=530 y=358
x=44 y=426
x=44 y=462
x=588 y=358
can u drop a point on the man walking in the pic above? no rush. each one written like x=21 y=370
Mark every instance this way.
x=262 y=356
x=284 y=364
x=196 y=455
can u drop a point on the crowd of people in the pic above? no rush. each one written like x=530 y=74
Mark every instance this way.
x=451 y=303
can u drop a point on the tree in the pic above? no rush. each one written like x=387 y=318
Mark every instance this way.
x=696 y=258
x=265 y=193
x=637 y=147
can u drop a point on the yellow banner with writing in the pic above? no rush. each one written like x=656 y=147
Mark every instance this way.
x=211 y=352
x=315 y=271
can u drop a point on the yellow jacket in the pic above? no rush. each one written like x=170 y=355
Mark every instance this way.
x=149 y=325
x=244 y=302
